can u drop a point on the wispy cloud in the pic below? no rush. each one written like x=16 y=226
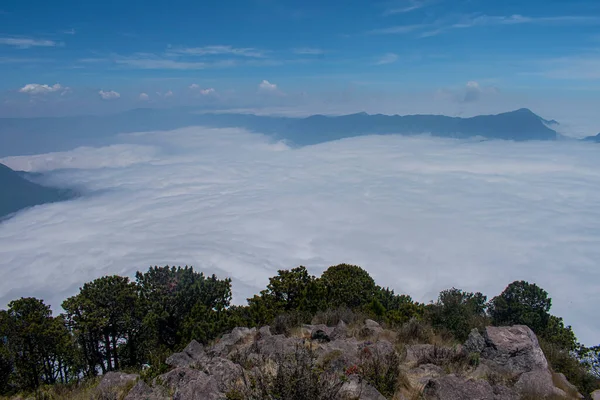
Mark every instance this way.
x=144 y=97
x=159 y=63
x=69 y=31
x=25 y=43
x=405 y=7
x=398 y=29
x=218 y=50
x=308 y=51
x=482 y=20
x=583 y=67
x=388 y=58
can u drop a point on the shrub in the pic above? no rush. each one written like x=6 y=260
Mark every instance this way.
x=348 y=285
x=382 y=371
x=415 y=331
x=294 y=376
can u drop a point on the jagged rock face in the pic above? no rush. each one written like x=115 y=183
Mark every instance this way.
x=190 y=384
x=190 y=356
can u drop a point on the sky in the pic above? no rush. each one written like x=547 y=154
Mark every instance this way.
x=460 y=57
x=420 y=214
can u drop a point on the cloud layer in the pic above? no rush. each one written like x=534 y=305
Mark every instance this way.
x=421 y=214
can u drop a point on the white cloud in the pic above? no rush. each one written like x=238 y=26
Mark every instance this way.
x=420 y=214
x=169 y=93
x=267 y=86
x=110 y=95
x=36 y=88
x=219 y=50
x=144 y=97
x=69 y=31
x=25 y=43
x=194 y=86
x=388 y=58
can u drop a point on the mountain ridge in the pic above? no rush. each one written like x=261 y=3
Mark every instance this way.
x=25 y=136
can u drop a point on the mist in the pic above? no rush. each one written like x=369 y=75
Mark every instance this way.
x=420 y=214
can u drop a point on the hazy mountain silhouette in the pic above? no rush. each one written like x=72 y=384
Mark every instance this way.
x=593 y=138
x=19 y=193
x=19 y=136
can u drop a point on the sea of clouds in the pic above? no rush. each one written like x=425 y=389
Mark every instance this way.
x=420 y=214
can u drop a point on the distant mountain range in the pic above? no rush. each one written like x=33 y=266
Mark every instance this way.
x=593 y=138
x=21 y=136
x=18 y=192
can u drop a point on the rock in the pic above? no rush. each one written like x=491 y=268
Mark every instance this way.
x=226 y=373
x=415 y=352
x=190 y=384
x=356 y=389
x=561 y=381
x=340 y=331
x=115 y=384
x=501 y=392
x=141 y=391
x=193 y=354
x=371 y=329
x=538 y=383
x=422 y=374
x=277 y=344
x=475 y=342
x=237 y=336
x=339 y=354
x=595 y=395
x=264 y=332
x=514 y=347
x=451 y=387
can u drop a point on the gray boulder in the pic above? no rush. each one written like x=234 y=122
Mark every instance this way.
x=226 y=373
x=415 y=352
x=563 y=383
x=475 y=342
x=595 y=395
x=141 y=391
x=265 y=331
x=190 y=384
x=538 y=383
x=357 y=389
x=451 y=387
x=340 y=331
x=515 y=348
x=115 y=384
x=192 y=355
x=238 y=336
x=371 y=329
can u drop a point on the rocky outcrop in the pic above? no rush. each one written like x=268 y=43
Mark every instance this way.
x=596 y=393
x=503 y=363
x=514 y=347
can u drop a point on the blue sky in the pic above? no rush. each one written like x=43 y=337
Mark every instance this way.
x=460 y=56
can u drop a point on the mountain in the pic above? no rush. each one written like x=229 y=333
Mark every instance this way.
x=20 y=136
x=19 y=193
x=593 y=138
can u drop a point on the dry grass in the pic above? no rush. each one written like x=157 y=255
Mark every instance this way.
x=559 y=383
x=85 y=390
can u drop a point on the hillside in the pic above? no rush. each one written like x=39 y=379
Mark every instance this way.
x=19 y=193
x=334 y=337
